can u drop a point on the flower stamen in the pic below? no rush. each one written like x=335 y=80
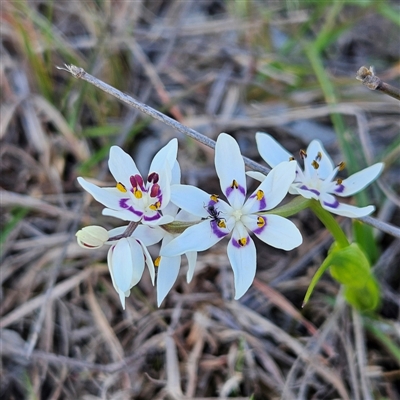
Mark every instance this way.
x=121 y=187
x=243 y=241
x=155 y=206
x=260 y=222
x=214 y=198
x=137 y=193
x=315 y=164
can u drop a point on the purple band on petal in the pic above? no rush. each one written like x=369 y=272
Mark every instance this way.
x=315 y=191
x=217 y=231
x=239 y=245
x=230 y=189
x=262 y=203
x=339 y=188
x=155 y=217
x=123 y=204
x=335 y=204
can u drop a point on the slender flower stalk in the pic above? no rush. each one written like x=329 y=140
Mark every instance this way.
x=238 y=216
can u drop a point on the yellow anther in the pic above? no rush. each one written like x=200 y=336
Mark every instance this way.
x=214 y=197
x=242 y=241
x=319 y=156
x=291 y=158
x=260 y=222
x=155 y=206
x=137 y=193
x=121 y=187
x=157 y=261
x=259 y=195
x=315 y=164
x=339 y=181
x=234 y=185
x=342 y=166
x=221 y=223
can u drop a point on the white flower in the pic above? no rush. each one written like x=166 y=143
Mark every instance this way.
x=236 y=217
x=168 y=267
x=317 y=181
x=132 y=199
x=126 y=261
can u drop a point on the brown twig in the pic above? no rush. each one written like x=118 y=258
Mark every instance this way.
x=372 y=82
x=80 y=73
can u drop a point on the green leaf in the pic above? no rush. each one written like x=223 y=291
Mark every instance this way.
x=365 y=298
x=350 y=266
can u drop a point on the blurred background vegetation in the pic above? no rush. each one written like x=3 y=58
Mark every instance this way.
x=239 y=66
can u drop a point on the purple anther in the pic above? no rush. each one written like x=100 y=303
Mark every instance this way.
x=153 y=177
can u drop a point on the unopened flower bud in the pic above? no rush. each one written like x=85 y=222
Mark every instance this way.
x=92 y=237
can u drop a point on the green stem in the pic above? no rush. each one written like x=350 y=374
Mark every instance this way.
x=293 y=207
x=330 y=223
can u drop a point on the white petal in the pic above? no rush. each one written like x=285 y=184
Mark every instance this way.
x=148 y=219
x=149 y=235
x=166 y=156
x=121 y=166
x=125 y=215
x=165 y=186
x=137 y=261
x=229 y=165
x=278 y=232
x=192 y=258
x=149 y=261
x=243 y=262
x=359 y=180
x=315 y=151
x=274 y=188
x=307 y=193
x=258 y=176
x=168 y=271
x=186 y=216
x=198 y=237
x=330 y=204
x=176 y=174
x=270 y=150
x=191 y=199
x=106 y=197
x=122 y=265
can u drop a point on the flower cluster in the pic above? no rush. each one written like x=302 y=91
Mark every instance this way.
x=186 y=220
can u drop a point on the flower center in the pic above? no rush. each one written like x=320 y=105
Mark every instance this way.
x=237 y=214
